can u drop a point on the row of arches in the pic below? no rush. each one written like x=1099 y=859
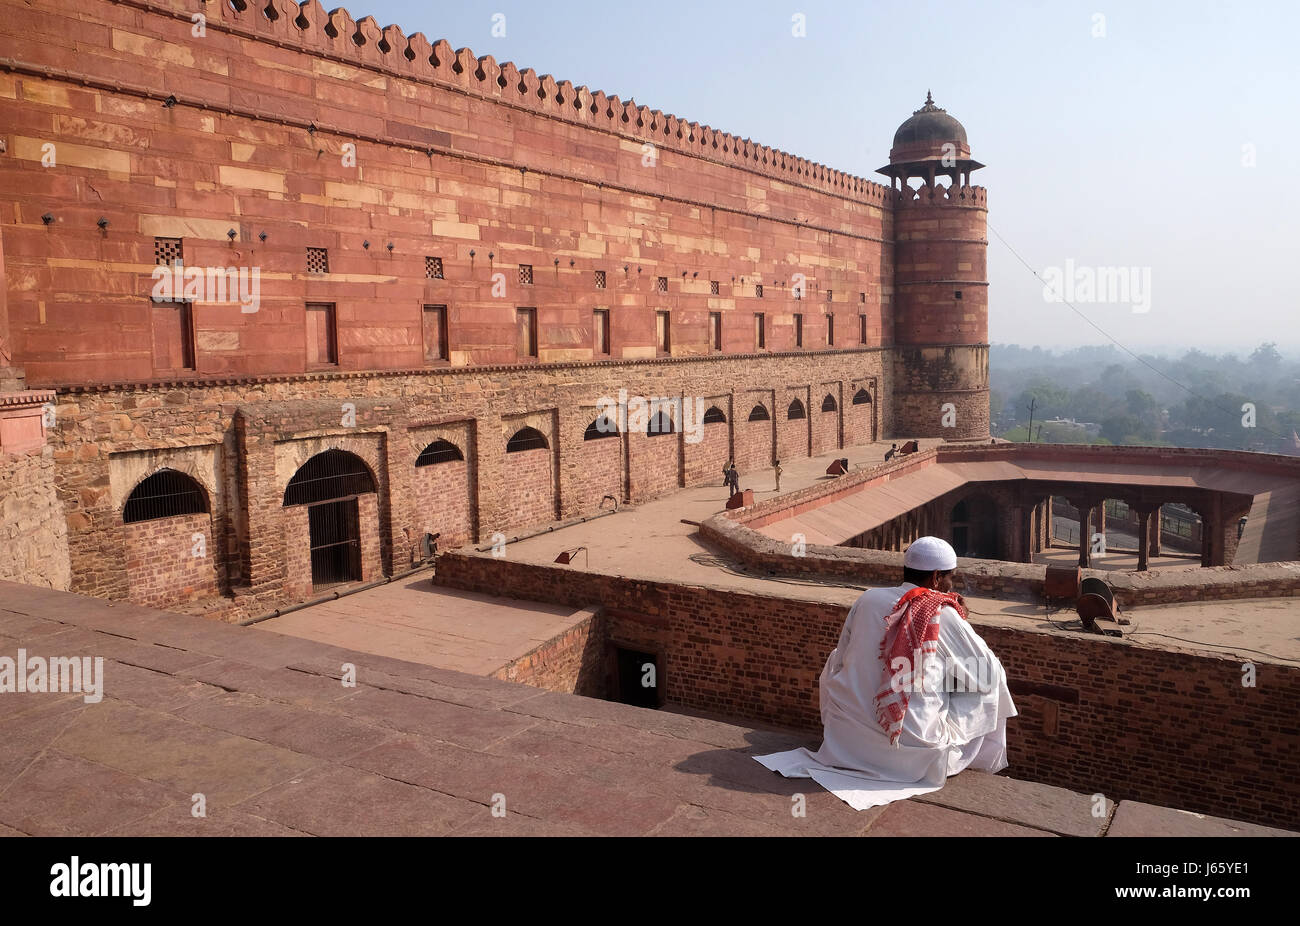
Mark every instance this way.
x=337 y=473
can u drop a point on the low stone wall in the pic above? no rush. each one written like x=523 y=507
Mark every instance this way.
x=1096 y=714
x=572 y=661
x=733 y=533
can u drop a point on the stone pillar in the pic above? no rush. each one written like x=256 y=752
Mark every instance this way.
x=1156 y=522
x=1024 y=520
x=1085 y=530
x=1144 y=534
x=1228 y=537
x=11 y=377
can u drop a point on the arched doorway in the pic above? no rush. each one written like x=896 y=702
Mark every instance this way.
x=328 y=485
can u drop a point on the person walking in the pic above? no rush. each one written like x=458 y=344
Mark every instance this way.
x=776 y=471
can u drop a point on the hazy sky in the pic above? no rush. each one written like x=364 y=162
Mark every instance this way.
x=1124 y=150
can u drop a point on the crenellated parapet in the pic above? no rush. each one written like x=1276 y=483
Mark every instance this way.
x=362 y=43
x=940 y=195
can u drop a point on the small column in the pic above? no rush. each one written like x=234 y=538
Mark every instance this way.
x=1085 y=529
x=1156 y=522
x=1025 y=520
x=1144 y=533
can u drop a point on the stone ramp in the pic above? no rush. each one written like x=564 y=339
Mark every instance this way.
x=1272 y=533
x=262 y=727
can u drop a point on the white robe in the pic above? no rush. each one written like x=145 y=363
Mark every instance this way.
x=943 y=731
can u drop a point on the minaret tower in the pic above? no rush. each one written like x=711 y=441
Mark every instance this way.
x=941 y=317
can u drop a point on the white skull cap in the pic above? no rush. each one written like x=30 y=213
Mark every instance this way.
x=930 y=553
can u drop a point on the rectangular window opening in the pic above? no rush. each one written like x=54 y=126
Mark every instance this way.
x=322 y=335
x=526 y=321
x=435 y=333
x=600 y=330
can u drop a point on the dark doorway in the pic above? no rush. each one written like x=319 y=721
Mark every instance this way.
x=636 y=672
x=975 y=528
x=335 y=542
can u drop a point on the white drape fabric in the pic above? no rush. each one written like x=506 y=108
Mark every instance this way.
x=944 y=731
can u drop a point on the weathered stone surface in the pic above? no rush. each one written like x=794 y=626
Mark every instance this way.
x=1133 y=818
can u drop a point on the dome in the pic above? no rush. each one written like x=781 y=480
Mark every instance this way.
x=930 y=125
x=931 y=143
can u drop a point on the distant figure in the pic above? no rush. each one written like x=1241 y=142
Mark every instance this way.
x=733 y=480
x=726 y=472
x=776 y=471
x=889 y=454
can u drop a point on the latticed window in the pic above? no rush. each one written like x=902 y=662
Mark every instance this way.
x=318 y=260
x=829 y=296
x=526 y=273
x=600 y=279
x=433 y=268
x=713 y=287
x=662 y=284
x=526 y=439
x=328 y=475
x=440 y=451
x=758 y=290
x=165 y=494
x=167 y=252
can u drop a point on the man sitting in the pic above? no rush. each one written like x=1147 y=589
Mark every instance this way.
x=910 y=695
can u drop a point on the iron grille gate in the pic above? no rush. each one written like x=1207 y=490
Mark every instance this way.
x=335 y=542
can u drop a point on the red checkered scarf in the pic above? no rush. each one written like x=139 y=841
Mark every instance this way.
x=911 y=633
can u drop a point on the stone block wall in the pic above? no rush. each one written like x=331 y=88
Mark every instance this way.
x=442 y=503
x=529 y=488
x=573 y=661
x=170 y=561
x=704 y=460
x=33 y=531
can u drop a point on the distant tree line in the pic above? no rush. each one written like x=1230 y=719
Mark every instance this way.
x=1250 y=404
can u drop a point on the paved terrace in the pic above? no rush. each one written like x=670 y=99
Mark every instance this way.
x=261 y=725
x=652 y=542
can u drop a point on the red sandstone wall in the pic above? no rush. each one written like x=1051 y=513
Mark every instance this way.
x=161 y=566
x=451 y=156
